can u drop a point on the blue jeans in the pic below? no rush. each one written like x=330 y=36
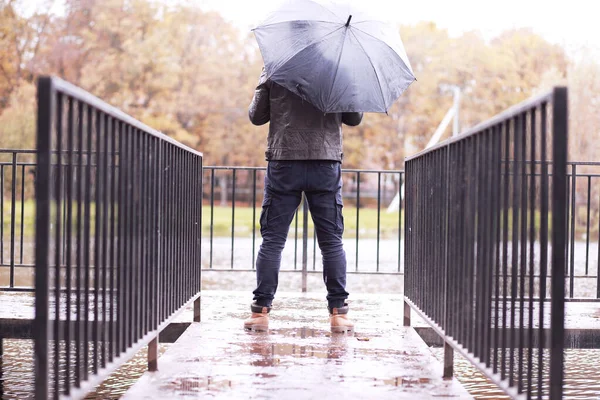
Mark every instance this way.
x=285 y=181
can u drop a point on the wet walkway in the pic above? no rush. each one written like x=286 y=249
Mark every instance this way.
x=298 y=358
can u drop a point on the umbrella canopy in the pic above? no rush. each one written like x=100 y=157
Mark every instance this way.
x=335 y=56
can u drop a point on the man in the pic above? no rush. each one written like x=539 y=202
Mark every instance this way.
x=304 y=154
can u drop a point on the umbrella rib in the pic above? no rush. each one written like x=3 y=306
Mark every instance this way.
x=310 y=45
x=388 y=46
x=337 y=67
x=294 y=20
x=374 y=70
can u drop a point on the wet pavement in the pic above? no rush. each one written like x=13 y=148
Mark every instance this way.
x=298 y=358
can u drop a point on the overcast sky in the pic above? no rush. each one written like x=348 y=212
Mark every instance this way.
x=572 y=23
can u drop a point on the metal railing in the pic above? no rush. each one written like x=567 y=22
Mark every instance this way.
x=583 y=226
x=235 y=237
x=373 y=236
x=482 y=220
x=117 y=238
x=17 y=169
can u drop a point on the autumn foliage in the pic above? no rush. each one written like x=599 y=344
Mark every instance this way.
x=191 y=74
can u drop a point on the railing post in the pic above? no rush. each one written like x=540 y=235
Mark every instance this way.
x=197 y=304
x=406 y=314
x=559 y=174
x=448 y=361
x=42 y=236
x=153 y=355
x=304 y=243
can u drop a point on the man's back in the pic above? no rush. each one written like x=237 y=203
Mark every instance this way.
x=298 y=130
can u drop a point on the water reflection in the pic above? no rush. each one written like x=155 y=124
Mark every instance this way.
x=186 y=386
x=267 y=352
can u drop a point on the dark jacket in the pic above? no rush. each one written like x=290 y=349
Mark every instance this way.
x=298 y=130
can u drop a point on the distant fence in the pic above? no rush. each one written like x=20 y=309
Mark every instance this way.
x=486 y=234
x=117 y=238
x=374 y=238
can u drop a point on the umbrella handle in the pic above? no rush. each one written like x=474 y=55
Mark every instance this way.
x=348 y=22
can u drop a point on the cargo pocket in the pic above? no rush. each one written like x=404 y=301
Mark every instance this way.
x=264 y=214
x=339 y=220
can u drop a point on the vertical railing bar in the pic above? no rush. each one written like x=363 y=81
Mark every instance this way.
x=64 y=222
x=515 y=248
x=79 y=338
x=478 y=320
x=57 y=243
x=86 y=240
x=122 y=243
x=449 y=289
x=172 y=258
x=233 y=217
x=105 y=206
x=149 y=292
x=523 y=246
x=68 y=234
x=544 y=189
x=169 y=229
x=173 y=263
x=532 y=189
x=568 y=225
x=497 y=198
x=130 y=237
x=23 y=211
x=358 y=218
x=471 y=262
x=13 y=210
x=97 y=239
x=573 y=219
x=112 y=260
x=159 y=266
x=587 y=235
x=212 y=213
x=155 y=263
x=142 y=234
x=490 y=243
x=254 y=221
x=180 y=227
x=505 y=212
x=296 y=241
x=378 y=215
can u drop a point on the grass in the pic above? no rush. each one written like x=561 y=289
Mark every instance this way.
x=222 y=221
x=244 y=221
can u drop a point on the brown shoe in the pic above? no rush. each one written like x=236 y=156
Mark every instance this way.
x=339 y=320
x=259 y=321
